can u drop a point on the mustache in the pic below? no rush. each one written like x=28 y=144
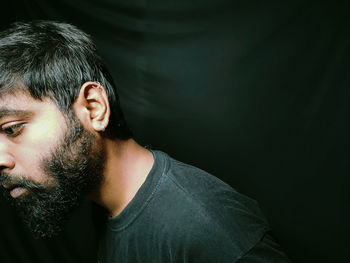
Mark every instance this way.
x=20 y=181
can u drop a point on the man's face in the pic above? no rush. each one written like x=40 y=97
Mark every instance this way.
x=48 y=163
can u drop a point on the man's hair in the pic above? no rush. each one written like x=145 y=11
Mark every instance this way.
x=52 y=59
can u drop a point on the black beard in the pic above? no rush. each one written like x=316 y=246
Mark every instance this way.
x=76 y=169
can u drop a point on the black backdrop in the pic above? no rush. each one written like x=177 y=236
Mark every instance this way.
x=254 y=92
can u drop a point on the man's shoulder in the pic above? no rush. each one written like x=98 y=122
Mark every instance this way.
x=207 y=193
x=206 y=212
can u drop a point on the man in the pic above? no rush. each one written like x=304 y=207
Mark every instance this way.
x=63 y=138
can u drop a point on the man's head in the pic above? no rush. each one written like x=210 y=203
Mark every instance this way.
x=56 y=97
x=54 y=60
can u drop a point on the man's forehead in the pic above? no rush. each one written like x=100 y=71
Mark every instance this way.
x=20 y=103
x=20 y=99
x=15 y=96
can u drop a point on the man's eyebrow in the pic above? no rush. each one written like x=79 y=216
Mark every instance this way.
x=5 y=112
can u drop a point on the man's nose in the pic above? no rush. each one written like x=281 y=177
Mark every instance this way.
x=6 y=159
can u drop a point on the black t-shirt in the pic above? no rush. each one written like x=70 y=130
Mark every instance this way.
x=183 y=214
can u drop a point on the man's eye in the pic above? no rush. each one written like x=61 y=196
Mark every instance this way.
x=13 y=130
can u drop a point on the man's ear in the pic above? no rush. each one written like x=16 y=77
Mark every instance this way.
x=92 y=106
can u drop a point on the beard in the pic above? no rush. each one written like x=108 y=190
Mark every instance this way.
x=75 y=169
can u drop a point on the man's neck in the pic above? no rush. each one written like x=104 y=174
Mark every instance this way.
x=126 y=167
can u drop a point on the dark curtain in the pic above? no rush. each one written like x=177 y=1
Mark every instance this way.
x=254 y=92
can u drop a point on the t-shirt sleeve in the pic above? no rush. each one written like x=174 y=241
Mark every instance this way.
x=266 y=250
